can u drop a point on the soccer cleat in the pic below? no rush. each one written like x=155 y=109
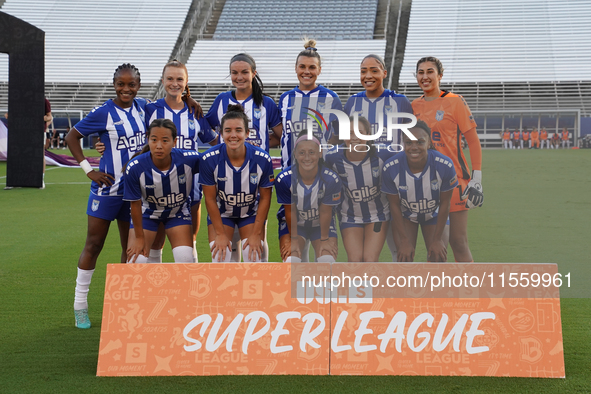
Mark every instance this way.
x=82 y=320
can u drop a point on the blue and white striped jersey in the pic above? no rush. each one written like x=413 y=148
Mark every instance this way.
x=419 y=194
x=283 y=187
x=378 y=109
x=363 y=201
x=293 y=104
x=237 y=188
x=262 y=119
x=123 y=132
x=163 y=194
x=326 y=189
x=189 y=130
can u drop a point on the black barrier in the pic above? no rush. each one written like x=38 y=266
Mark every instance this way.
x=25 y=46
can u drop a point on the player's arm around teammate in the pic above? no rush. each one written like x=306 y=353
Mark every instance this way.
x=118 y=120
x=237 y=181
x=445 y=113
x=158 y=185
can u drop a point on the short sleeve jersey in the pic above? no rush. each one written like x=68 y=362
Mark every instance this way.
x=261 y=118
x=237 y=188
x=296 y=107
x=189 y=129
x=378 y=111
x=420 y=194
x=363 y=200
x=326 y=189
x=122 y=130
x=448 y=116
x=163 y=194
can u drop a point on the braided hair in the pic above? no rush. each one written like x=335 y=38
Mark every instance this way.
x=127 y=66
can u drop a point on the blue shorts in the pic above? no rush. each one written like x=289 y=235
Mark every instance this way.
x=283 y=229
x=108 y=208
x=313 y=233
x=152 y=224
x=233 y=222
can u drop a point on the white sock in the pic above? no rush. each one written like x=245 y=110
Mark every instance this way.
x=195 y=258
x=326 y=259
x=291 y=259
x=215 y=259
x=155 y=256
x=82 y=284
x=246 y=257
x=265 y=256
x=183 y=254
x=236 y=247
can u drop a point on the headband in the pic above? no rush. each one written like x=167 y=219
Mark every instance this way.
x=305 y=138
x=311 y=49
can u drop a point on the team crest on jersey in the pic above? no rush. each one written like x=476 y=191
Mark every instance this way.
x=404 y=188
x=191 y=124
x=182 y=179
x=257 y=113
x=95 y=205
x=439 y=116
x=254 y=178
x=434 y=184
x=388 y=108
x=321 y=106
x=142 y=116
x=320 y=194
x=375 y=172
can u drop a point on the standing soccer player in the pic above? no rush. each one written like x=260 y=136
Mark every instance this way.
x=120 y=124
x=190 y=129
x=419 y=183
x=261 y=111
x=364 y=213
x=448 y=116
x=158 y=183
x=237 y=180
x=298 y=104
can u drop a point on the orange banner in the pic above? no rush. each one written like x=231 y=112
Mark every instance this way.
x=231 y=319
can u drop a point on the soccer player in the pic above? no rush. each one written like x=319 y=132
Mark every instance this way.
x=544 y=138
x=448 y=115
x=526 y=140
x=315 y=190
x=296 y=105
x=517 y=139
x=565 y=138
x=376 y=104
x=535 y=139
x=507 y=139
x=419 y=183
x=237 y=180
x=190 y=129
x=261 y=111
x=364 y=213
x=120 y=124
x=158 y=183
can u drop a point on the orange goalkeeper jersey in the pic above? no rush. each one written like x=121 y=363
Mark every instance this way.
x=449 y=117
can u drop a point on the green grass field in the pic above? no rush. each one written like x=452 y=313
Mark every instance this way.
x=537 y=209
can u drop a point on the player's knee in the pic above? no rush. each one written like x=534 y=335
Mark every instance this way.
x=183 y=254
x=94 y=245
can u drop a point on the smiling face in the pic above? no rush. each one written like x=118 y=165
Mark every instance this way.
x=428 y=78
x=416 y=151
x=126 y=85
x=161 y=143
x=307 y=154
x=175 y=81
x=307 y=70
x=234 y=133
x=242 y=75
x=372 y=76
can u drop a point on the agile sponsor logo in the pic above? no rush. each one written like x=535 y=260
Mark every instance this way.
x=421 y=206
x=237 y=200
x=132 y=143
x=171 y=199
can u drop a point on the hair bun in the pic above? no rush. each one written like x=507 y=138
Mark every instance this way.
x=235 y=108
x=310 y=44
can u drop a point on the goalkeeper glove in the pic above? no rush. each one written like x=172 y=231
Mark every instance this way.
x=473 y=192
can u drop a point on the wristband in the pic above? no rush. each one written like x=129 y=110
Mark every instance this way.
x=85 y=165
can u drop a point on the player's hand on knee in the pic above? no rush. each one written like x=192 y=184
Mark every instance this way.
x=135 y=250
x=286 y=249
x=405 y=253
x=473 y=192
x=437 y=252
